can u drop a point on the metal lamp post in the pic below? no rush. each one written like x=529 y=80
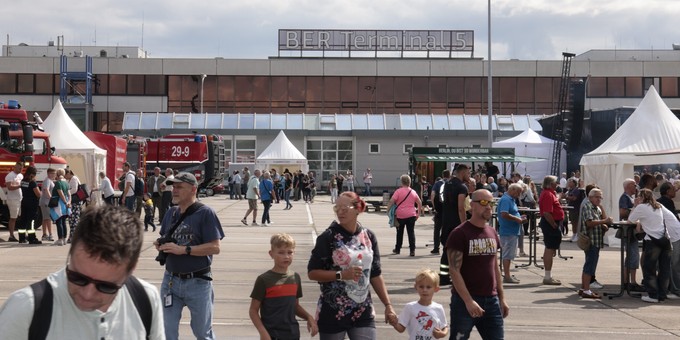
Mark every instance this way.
x=203 y=76
x=489 y=84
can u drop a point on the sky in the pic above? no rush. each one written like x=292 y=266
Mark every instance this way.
x=236 y=29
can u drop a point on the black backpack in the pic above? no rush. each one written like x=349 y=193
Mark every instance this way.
x=43 y=299
x=139 y=186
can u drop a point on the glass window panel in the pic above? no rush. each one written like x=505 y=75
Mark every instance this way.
x=313 y=145
x=230 y=121
x=402 y=89
x=544 y=90
x=521 y=123
x=174 y=87
x=633 y=87
x=534 y=124
x=438 y=90
x=261 y=90
x=424 y=122
x=330 y=145
x=295 y=122
x=508 y=89
x=408 y=122
x=279 y=122
x=311 y=122
x=384 y=89
x=315 y=155
x=26 y=83
x=472 y=122
x=262 y=121
x=330 y=165
x=348 y=89
x=154 y=85
x=116 y=84
x=669 y=87
x=213 y=120
x=392 y=122
x=135 y=84
x=246 y=121
x=345 y=145
x=331 y=90
x=245 y=156
x=455 y=90
x=343 y=166
x=525 y=90
x=421 y=90
x=314 y=89
x=330 y=155
x=314 y=165
x=243 y=89
x=131 y=121
x=367 y=89
x=279 y=89
x=441 y=122
x=616 y=87
x=148 y=121
x=473 y=90
x=245 y=144
x=360 y=122
x=197 y=121
x=376 y=122
x=343 y=122
x=164 y=121
x=344 y=155
x=296 y=88
x=43 y=84
x=597 y=87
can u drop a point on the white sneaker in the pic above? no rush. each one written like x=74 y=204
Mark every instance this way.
x=646 y=298
x=671 y=296
x=574 y=239
x=596 y=285
x=255 y=224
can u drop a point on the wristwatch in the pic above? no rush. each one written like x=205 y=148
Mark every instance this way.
x=338 y=275
x=188 y=250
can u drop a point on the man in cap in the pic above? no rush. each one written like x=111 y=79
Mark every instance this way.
x=191 y=234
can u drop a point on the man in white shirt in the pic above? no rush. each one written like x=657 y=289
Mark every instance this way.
x=14 y=196
x=154 y=184
x=95 y=295
x=166 y=196
x=253 y=194
x=368 y=179
x=128 y=197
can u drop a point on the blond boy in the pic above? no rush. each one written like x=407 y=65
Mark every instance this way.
x=276 y=293
x=424 y=319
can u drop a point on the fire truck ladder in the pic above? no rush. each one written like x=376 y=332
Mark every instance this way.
x=558 y=125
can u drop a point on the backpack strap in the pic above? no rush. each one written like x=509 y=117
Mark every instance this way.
x=42 y=310
x=142 y=303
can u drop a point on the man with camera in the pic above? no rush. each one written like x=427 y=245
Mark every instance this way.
x=191 y=234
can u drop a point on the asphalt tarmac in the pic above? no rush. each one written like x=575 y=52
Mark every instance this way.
x=537 y=311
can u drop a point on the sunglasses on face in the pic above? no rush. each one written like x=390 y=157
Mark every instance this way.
x=81 y=280
x=342 y=208
x=483 y=203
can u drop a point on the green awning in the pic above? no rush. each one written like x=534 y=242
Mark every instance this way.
x=476 y=158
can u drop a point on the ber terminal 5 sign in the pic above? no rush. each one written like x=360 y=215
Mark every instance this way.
x=377 y=41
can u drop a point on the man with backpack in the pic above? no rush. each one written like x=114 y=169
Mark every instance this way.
x=438 y=206
x=95 y=295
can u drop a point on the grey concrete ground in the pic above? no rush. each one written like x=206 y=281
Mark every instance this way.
x=537 y=311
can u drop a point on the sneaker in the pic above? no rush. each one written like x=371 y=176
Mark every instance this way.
x=413 y=253
x=56 y=243
x=270 y=223
x=671 y=296
x=45 y=238
x=395 y=252
x=523 y=254
x=435 y=251
x=12 y=239
x=574 y=239
x=646 y=298
x=255 y=224
x=511 y=279
x=244 y=221
x=580 y=292
x=551 y=282
x=50 y=238
x=591 y=295
x=596 y=285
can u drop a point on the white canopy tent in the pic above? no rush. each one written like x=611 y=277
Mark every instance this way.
x=531 y=144
x=651 y=135
x=82 y=156
x=280 y=154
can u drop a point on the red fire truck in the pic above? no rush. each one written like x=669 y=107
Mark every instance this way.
x=202 y=155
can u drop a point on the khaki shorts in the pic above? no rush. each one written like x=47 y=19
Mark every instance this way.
x=252 y=204
x=14 y=208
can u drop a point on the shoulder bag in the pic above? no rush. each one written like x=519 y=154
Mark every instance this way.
x=392 y=213
x=583 y=241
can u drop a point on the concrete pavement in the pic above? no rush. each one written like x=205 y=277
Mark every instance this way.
x=537 y=311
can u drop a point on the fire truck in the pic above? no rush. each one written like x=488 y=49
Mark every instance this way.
x=201 y=155
x=21 y=140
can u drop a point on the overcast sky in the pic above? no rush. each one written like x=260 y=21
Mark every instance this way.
x=521 y=29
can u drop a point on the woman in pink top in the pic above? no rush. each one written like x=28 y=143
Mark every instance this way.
x=409 y=207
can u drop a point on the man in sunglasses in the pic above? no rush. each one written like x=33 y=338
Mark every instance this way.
x=191 y=236
x=92 y=297
x=477 y=298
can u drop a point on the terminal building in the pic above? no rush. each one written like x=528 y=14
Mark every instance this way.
x=352 y=111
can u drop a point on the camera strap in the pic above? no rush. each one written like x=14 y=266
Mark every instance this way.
x=190 y=210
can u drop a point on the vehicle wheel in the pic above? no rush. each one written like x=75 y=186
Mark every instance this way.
x=209 y=192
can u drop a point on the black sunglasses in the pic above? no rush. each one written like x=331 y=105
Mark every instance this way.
x=81 y=280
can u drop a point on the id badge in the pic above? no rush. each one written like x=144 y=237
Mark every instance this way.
x=167 y=300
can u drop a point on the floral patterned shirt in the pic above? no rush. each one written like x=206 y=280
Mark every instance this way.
x=345 y=304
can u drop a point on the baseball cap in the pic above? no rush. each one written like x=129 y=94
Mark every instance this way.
x=183 y=177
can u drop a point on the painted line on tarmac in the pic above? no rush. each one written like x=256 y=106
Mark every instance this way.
x=310 y=220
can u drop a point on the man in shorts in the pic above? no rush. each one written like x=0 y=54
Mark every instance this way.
x=253 y=194
x=510 y=227
x=551 y=219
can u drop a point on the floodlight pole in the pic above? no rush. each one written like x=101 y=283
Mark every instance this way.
x=489 y=84
x=202 y=81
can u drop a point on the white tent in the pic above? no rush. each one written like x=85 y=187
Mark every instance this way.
x=82 y=156
x=531 y=144
x=651 y=135
x=281 y=153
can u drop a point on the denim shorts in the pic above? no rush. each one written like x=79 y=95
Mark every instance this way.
x=509 y=247
x=592 y=257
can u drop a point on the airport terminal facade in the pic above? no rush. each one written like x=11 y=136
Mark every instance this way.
x=341 y=112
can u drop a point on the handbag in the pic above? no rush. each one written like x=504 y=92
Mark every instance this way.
x=664 y=242
x=583 y=241
x=392 y=213
x=82 y=192
x=54 y=201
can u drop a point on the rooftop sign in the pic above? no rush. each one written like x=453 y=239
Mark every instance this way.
x=377 y=41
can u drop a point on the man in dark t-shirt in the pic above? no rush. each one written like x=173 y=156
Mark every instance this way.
x=453 y=213
x=472 y=250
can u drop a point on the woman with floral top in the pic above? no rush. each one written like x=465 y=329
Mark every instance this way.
x=344 y=261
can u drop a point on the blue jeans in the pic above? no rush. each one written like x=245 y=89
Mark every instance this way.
x=655 y=257
x=265 y=215
x=490 y=326
x=592 y=257
x=197 y=294
x=367 y=190
x=130 y=202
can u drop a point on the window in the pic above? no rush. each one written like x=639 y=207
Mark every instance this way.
x=245 y=150
x=407 y=148
x=374 y=148
x=442 y=146
x=327 y=157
